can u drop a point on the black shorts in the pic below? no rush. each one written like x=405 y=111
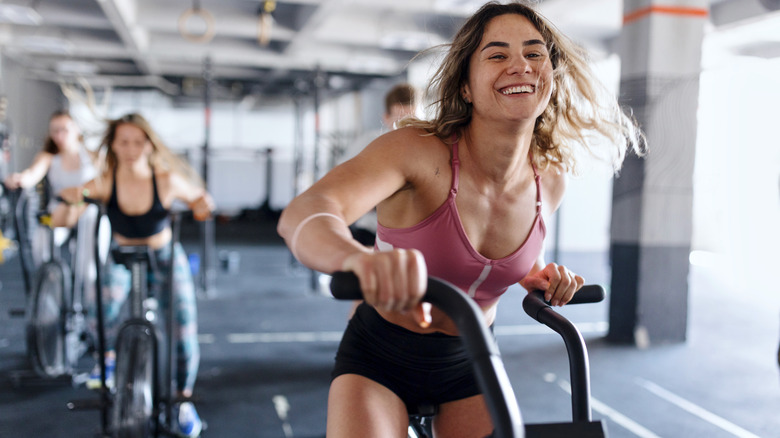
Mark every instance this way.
x=421 y=369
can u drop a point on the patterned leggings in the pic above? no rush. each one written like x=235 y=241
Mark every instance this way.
x=116 y=288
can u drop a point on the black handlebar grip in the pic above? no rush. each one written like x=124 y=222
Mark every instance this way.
x=87 y=200
x=345 y=286
x=590 y=293
x=534 y=302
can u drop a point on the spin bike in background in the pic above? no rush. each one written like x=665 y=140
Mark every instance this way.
x=488 y=366
x=141 y=405
x=6 y=214
x=57 y=334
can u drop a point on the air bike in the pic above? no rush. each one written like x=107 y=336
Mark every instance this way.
x=488 y=366
x=141 y=404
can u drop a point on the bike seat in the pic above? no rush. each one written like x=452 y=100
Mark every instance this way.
x=422 y=410
x=126 y=255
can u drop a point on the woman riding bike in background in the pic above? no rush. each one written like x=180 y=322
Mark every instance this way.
x=140 y=181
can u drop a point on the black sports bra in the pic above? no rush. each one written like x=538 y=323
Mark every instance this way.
x=142 y=225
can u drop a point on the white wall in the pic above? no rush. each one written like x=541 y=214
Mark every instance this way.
x=237 y=171
x=30 y=103
x=737 y=174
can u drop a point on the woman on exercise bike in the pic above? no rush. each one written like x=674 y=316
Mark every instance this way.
x=463 y=197
x=140 y=181
x=64 y=162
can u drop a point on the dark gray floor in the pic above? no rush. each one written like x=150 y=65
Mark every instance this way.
x=265 y=335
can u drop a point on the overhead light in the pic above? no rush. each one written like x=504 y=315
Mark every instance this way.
x=16 y=14
x=337 y=82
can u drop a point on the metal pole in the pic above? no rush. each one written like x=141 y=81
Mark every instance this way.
x=298 y=150
x=269 y=165
x=207 y=271
x=319 y=82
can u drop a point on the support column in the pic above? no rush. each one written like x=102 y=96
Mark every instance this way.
x=652 y=199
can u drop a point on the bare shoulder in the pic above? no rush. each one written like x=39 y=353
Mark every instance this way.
x=408 y=149
x=406 y=140
x=164 y=176
x=169 y=182
x=399 y=161
x=173 y=185
x=43 y=157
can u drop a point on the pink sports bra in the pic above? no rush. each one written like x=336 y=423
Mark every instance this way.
x=449 y=254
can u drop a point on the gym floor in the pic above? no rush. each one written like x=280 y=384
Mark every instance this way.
x=268 y=340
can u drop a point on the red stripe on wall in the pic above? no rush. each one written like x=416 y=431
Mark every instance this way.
x=669 y=10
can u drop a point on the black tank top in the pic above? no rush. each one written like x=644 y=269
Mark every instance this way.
x=142 y=225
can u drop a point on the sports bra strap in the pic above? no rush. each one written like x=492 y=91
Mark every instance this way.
x=538 y=179
x=455 y=167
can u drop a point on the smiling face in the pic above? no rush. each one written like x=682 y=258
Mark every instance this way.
x=510 y=73
x=131 y=144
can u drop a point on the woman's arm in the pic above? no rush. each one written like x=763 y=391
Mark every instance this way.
x=342 y=196
x=32 y=175
x=558 y=282
x=67 y=213
x=314 y=224
x=197 y=198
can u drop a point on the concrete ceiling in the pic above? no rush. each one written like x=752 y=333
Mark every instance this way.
x=171 y=44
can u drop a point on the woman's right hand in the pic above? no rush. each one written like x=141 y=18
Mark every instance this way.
x=392 y=280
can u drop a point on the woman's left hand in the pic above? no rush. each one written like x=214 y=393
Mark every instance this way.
x=202 y=207
x=558 y=283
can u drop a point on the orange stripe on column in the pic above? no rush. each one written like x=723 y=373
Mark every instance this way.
x=669 y=10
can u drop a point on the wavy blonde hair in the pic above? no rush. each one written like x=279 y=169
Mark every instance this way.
x=580 y=106
x=161 y=157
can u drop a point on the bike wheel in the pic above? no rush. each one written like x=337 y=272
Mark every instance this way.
x=47 y=314
x=133 y=411
x=6 y=216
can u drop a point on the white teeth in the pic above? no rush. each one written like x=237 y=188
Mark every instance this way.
x=520 y=89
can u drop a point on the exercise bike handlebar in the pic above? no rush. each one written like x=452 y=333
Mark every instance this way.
x=537 y=308
x=489 y=368
x=479 y=342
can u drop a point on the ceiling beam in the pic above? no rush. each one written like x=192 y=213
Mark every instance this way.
x=122 y=15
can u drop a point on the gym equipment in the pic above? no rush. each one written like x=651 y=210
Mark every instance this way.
x=488 y=366
x=57 y=335
x=142 y=402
